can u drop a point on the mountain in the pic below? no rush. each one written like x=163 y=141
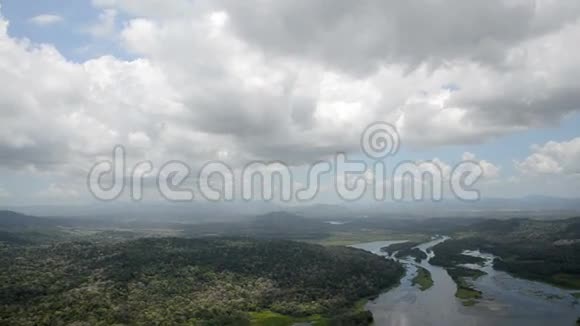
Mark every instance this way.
x=323 y=211
x=166 y=212
x=10 y=219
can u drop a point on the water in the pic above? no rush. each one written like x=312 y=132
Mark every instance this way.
x=506 y=300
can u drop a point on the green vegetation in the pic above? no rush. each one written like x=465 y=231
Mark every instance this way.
x=269 y=318
x=558 y=265
x=391 y=249
x=545 y=251
x=567 y=280
x=541 y=250
x=415 y=253
x=423 y=279
x=405 y=249
x=100 y=272
x=361 y=236
x=450 y=252
x=220 y=281
x=468 y=296
x=465 y=292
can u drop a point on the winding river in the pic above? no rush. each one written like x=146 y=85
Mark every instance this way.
x=507 y=300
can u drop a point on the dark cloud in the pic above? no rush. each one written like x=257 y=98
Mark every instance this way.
x=360 y=36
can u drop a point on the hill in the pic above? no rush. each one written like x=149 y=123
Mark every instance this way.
x=221 y=281
x=275 y=225
x=10 y=219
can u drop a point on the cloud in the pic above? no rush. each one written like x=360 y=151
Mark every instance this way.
x=552 y=158
x=151 y=8
x=46 y=19
x=490 y=170
x=4 y=193
x=358 y=37
x=106 y=24
x=77 y=112
x=294 y=81
x=59 y=192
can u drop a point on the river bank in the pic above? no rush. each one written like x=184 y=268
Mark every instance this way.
x=505 y=300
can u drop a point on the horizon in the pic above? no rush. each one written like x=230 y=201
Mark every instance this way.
x=290 y=162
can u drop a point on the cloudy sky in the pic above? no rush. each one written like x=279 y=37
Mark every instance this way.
x=494 y=81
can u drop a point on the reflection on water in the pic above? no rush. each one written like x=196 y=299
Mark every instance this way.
x=506 y=300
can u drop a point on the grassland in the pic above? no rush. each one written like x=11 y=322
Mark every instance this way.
x=350 y=238
x=357 y=316
x=422 y=279
x=566 y=280
x=269 y=318
x=465 y=292
x=468 y=296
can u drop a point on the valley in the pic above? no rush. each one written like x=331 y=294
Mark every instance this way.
x=285 y=269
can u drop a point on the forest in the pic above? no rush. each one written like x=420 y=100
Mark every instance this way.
x=161 y=281
x=264 y=271
x=404 y=250
x=534 y=249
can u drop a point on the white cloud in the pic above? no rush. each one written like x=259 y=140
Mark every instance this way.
x=4 y=194
x=158 y=9
x=490 y=170
x=221 y=77
x=46 y=19
x=59 y=192
x=106 y=24
x=552 y=158
x=304 y=94
x=139 y=139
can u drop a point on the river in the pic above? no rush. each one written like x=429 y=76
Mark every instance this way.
x=507 y=300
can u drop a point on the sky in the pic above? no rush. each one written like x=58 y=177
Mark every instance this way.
x=495 y=82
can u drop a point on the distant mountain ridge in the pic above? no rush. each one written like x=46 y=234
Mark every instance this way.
x=14 y=219
x=202 y=212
